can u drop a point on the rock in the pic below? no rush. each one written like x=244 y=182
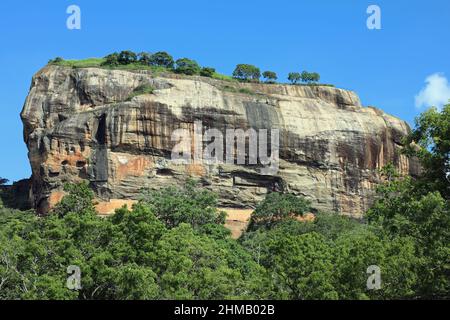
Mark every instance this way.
x=81 y=124
x=17 y=196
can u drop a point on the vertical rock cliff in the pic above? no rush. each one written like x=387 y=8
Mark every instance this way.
x=91 y=124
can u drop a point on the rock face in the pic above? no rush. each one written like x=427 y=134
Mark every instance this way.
x=89 y=124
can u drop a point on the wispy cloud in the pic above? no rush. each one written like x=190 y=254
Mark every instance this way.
x=436 y=92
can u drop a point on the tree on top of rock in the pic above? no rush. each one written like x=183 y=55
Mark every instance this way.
x=294 y=77
x=187 y=66
x=162 y=59
x=127 y=57
x=246 y=72
x=270 y=76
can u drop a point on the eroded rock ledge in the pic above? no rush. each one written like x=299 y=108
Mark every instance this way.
x=80 y=124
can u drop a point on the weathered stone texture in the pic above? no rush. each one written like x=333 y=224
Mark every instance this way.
x=79 y=124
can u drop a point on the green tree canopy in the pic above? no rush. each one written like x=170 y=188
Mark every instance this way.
x=162 y=59
x=306 y=76
x=402 y=211
x=270 y=76
x=127 y=57
x=276 y=207
x=188 y=204
x=246 y=72
x=207 y=72
x=173 y=244
x=294 y=77
x=187 y=66
x=131 y=255
x=419 y=208
x=144 y=58
x=430 y=142
x=315 y=77
x=112 y=59
x=309 y=77
x=356 y=250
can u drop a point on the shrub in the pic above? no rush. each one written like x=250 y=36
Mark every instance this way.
x=207 y=72
x=187 y=66
x=56 y=60
x=111 y=59
x=277 y=207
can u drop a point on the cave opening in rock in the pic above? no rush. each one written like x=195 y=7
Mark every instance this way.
x=100 y=136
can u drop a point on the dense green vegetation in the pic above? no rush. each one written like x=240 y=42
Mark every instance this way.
x=157 y=63
x=173 y=244
x=247 y=72
x=187 y=66
x=164 y=62
x=305 y=76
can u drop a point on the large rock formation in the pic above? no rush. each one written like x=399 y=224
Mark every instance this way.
x=89 y=124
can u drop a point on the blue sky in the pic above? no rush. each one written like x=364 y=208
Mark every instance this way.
x=386 y=67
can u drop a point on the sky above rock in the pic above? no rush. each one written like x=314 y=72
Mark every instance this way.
x=401 y=68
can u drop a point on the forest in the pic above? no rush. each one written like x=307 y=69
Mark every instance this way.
x=173 y=244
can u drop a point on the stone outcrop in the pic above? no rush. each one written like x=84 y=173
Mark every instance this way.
x=88 y=124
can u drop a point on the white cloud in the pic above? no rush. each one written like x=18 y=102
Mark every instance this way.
x=436 y=93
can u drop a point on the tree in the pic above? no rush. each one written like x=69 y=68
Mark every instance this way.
x=302 y=266
x=309 y=77
x=144 y=58
x=306 y=76
x=162 y=59
x=246 y=72
x=3 y=181
x=194 y=267
x=112 y=59
x=56 y=60
x=270 y=76
x=403 y=210
x=130 y=255
x=188 y=204
x=420 y=208
x=356 y=251
x=187 y=66
x=79 y=200
x=294 y=77
x=127 y=57
x=315 y=77
x=430 y=142
x=277 y=207
x=207 y=72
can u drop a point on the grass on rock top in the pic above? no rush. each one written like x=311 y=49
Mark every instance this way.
x=99 y=63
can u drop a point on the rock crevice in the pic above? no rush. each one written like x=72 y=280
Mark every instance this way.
x=79 y=124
